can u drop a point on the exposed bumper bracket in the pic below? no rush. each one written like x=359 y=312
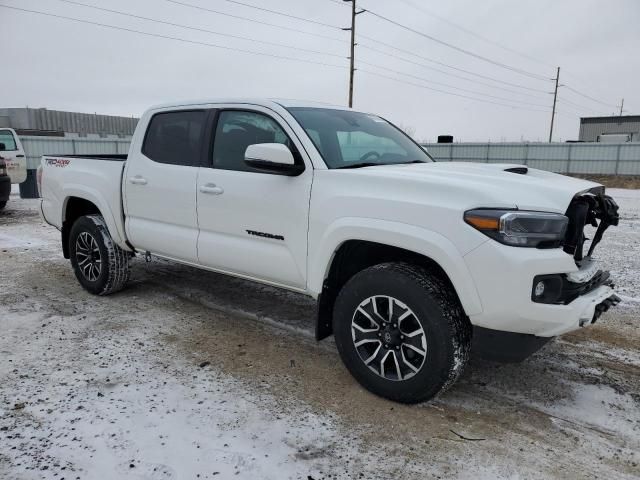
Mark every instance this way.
x=603 y=307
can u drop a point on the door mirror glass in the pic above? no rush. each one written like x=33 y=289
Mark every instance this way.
x=272 y=158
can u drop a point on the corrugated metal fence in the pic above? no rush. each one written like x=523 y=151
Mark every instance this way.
x=572 y=158
x=35 y=147
x=568 y=158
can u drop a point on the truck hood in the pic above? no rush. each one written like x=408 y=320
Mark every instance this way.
x=487 y=185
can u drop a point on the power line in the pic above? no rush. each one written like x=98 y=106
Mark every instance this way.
x=459 y=49
x=577 y=106
x=302 y=19
x=480 y=37
x=587 y=96
x=474 y=34
x=291 y=29
x=426 y=59
x=426 y=11
x=179 y=39
x=200 y=29
x=475 y=81
x=475 y=92
x=369 y=72
x=581 y=83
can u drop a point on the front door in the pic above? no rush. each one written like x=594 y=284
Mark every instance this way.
x=252 y=223
x=160 y=185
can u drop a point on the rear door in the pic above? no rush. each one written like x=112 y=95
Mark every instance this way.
x=13 y=154
x=253 y=223
x=160 y=184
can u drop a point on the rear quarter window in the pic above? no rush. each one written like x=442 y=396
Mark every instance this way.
x=175 y=138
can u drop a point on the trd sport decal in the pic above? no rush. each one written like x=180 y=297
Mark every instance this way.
x=265 y=235
x=58 y=162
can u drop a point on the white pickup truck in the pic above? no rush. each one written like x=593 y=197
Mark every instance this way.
x=409 y=259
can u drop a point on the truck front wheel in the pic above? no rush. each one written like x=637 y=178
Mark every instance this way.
x=401 y=332
x=100 y=265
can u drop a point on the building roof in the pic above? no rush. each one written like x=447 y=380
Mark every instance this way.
x=611 y=119
x=58 y=121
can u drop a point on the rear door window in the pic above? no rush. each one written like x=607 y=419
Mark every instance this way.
x=176 y=138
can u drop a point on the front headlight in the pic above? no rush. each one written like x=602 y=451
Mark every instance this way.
x=520 y=228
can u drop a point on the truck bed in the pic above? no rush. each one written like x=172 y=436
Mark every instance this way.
x=96 y=178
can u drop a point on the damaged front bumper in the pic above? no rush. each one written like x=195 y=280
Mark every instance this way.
x=547 y=292
x=507 y=303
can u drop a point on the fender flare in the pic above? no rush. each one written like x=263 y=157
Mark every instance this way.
x=94 y=196
x=395 y=234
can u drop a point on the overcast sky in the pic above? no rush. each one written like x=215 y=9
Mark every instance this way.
x=60 y=64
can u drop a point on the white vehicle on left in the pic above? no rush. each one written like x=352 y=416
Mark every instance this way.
x=13 y=155
x=13 y=163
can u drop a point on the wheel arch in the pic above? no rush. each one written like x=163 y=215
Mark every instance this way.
x=388 y=243
x=76 y=205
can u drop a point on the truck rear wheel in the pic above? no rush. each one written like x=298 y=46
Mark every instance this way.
x=401 y=332
x=100 y=265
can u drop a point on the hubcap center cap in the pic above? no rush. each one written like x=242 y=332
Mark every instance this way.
x=391 y=336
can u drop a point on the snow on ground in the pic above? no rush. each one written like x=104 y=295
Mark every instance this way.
x=621 y=247
x=190 y=374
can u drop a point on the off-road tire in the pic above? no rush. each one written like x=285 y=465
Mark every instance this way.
x=114 y=271
x=446 y=329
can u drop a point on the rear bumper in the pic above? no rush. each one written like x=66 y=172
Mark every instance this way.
x=504 y=279
x=5 y=188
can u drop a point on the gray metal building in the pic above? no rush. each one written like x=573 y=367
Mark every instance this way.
x=55 y=123
x=625 y=128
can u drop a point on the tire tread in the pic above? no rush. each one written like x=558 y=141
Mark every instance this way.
x=117 y=259
x=458 y=327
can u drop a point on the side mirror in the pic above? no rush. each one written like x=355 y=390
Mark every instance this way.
x=3 y=147
x=272 y=158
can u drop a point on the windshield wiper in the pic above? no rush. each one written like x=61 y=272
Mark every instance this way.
x=373 y=164
x=362 y=164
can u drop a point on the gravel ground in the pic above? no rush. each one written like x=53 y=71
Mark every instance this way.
x=190 y=374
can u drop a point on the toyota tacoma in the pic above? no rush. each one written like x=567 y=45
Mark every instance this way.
x=412 y=262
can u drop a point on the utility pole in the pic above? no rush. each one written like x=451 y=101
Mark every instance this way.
x=555 y=98
x=621 y=107
x=353 y=47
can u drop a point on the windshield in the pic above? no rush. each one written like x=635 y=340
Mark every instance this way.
x=347 y=139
